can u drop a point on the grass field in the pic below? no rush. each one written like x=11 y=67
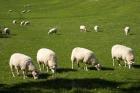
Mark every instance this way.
x=67 y=15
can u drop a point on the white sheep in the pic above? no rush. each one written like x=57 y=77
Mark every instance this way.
x=6 y=31
x=53 y=30
x=10 y=10
x=48 y=58
x=26 y=23
x=86 y=56
x=22 y=62
x=96 y=28
x=126 y=30
x=22 y=23
x=83 y=28
x=121 y=52
x=14 y=21
x=23 y=11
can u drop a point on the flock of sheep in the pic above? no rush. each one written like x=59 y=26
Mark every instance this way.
x=83 y=28
x=48 y=59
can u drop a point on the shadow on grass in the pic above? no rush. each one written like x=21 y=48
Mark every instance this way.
x=41 y=75
x=7 y=36
x=61 y=84
x=132 y=34
x=136 y=65
x=103 y=68
x=60 y=70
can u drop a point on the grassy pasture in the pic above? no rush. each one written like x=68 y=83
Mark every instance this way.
x=111 y=15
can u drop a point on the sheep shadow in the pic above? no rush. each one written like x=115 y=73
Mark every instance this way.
x=132 y=34
x=60 y=70
x=7 y=36
x=136 y=66
x=41 y=75
x=103 y=68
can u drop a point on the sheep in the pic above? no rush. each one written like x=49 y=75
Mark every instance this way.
x=14 y=21
x=28 y=11
x=22 y=23
x=86 y=56
x=23 y=11
x=10 y=10
x=48 y=58
x=83 y=28
x=121 y=52
x=96 y=28
x=6 y=31
x=22 y=62
x=127 y=30
x=26 y=23
x=53 y=30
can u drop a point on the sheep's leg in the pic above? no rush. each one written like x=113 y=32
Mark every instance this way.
x=86 y=67
x=43 y=66
x=39 y=66
x=119 y=62
x=47 y=68
x=12 y=70
x=113 y=61
x=17 y=69
x=125 y=63
x=24 y=74
x=72 y=64
x=129 y=65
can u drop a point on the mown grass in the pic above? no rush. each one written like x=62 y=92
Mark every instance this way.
x=110 y=15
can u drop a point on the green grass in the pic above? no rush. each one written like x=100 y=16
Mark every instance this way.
x=68 y=15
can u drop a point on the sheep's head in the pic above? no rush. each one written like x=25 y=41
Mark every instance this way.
x=98 y=67
x=53 y=68
x=35 y=74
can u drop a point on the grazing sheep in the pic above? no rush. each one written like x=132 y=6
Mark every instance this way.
x=10 y=11
x=83 y=28
x=86 y=56
x=48 y=58
x=120 y=52
x=53 y=30
x=6 y=31
x=96 y=28
x=26 y=23
x=24 y=11
x=22 y=62
x=127 y=30
x=22 y=23
x=14 y=21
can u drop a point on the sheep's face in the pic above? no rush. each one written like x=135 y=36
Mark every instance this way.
x=98 y=67
x=53 y=68
x=35 y=74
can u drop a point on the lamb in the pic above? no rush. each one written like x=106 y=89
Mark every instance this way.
x=6 y=31
x=26 y=23
x=121 y=52
x=53 y=30
x=14 y=21
x=86 y=56
x=48 y=58
x=127 y=30
x=83 y=28
x=22 y=62
x=22 y=23
x=96 y=28
x=24 y=11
